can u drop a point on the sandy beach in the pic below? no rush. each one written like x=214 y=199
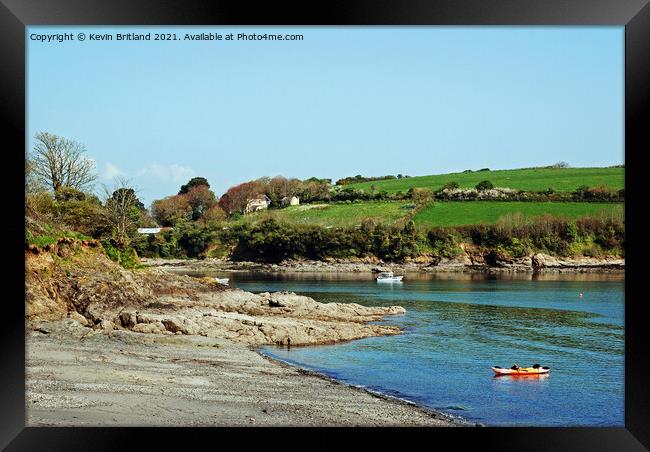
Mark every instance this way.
x=77 y=376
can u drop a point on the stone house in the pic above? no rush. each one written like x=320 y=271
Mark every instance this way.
x=259 y=203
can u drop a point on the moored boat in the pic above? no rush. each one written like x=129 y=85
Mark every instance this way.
x=534 y=370
x=388 y=277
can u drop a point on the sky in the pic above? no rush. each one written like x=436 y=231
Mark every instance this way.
x=342 y=101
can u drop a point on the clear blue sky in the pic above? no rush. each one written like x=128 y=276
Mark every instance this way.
x=344 y=101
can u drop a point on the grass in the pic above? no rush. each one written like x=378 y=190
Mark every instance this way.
x=337 y=215
x=560 y=179
x=41 y=240
x=488 y=212
x=454 y=213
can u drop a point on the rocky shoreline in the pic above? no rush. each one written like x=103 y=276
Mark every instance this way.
x=109 y=346
x=536 y=263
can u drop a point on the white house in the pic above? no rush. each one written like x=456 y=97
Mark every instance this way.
x=290 y=201
x=152 y=230
x=259 y=203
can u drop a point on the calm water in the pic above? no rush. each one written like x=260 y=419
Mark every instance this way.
x=458 y=326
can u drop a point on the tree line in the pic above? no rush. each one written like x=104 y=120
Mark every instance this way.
x=59 y=188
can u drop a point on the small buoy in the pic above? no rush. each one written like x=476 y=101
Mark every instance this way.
x=580 y=294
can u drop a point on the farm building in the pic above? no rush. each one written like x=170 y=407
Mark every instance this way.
x=290 y=201
x=259 y=203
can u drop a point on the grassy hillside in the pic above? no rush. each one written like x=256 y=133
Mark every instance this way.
x=438 y=214
x=337 y=215
x=560 y=179
x=481 y=212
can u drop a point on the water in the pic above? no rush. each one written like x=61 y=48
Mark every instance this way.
x=458 y=326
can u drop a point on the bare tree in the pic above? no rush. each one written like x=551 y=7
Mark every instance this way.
x=122 y=210
x=33 y=183
x=59 y=162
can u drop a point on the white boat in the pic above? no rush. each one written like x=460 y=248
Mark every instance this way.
x=388 y=277
x=223 y=281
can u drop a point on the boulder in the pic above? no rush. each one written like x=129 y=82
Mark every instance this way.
x=128 y=319
x=74 y=315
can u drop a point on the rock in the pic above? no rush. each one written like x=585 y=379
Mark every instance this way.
x=172 y=325
x=180 y=325
x=276 y=304
x=128 y=319
x=154 y=327
x=541 y=260
x=78 y=317
x=147 y=318
x=105 y=325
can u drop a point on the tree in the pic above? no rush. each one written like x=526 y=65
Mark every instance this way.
x=33 y=183
x=214 y=214
x=313 y=190
x=122 y=208
x=59 y=162
x=171 y=210
x=200 y=199
x=194 y=182
x=236 y=198
x=280 y=187
x=484 y=185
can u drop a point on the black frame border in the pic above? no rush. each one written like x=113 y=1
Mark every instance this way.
x=15 y=15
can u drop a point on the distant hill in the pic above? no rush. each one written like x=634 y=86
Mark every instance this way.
x=532 y=179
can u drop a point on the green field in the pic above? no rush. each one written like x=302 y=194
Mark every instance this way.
x=488 y=212
x=560 y=179
x=337 y=214
x=453 y=213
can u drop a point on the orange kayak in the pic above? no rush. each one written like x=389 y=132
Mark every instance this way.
x=521 y=371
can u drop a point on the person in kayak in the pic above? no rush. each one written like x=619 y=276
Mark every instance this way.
x=515 y=367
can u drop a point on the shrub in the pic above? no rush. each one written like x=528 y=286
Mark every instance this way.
x=602 y=193
x=127 y=257
x=194 y=240
x=484 y=185
x=443 y=243
x=420 y=195
x=450 y=186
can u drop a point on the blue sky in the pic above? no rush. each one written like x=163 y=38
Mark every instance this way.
x=344 y=101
